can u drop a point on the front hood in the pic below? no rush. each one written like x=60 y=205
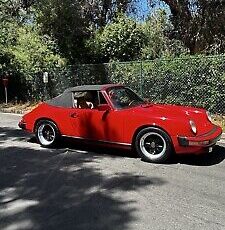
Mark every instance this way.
x=172 y=111
x=177 y=114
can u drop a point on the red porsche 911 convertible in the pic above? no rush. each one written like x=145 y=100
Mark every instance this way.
x=115 y=115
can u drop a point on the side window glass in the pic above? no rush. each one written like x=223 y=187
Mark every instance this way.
x=84 y=99
x=74 y=97
x=102 y=99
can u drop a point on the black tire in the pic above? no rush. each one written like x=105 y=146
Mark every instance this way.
x=153 y=145
x=47 y=133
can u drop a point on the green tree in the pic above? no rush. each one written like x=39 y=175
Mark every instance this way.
x=156 y=30
x=24 y=50
x=198 y=23
x=73 y=22
x=102 y=12
x=33 y=52
x=120 y=40
x=7 y=39
x=14 y=8
x=66 y=23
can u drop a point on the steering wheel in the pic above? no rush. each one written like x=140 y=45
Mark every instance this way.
x=131 y=102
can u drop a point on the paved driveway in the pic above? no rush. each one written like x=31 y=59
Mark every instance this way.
x=80 y=187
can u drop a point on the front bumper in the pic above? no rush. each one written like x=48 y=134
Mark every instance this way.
x=205 y=140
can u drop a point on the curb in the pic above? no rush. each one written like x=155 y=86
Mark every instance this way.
x=12 y=114
x=222 y=137
x=13 y=111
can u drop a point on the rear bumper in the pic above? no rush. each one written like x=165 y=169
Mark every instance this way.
x=205 y=140
x=22 y=125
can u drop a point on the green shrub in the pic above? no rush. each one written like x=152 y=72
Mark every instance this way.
x=196 y=81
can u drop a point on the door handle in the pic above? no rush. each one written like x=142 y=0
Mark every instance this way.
x=74 y=115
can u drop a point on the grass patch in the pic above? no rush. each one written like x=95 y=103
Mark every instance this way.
x=20 y=108
x=219 y=120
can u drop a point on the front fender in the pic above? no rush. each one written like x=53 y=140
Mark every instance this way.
x=172 y=126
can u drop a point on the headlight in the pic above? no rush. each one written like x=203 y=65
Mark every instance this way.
x=209 y=116
x=193 y=126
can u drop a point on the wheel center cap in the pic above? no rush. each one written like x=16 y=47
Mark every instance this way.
x=153 y=144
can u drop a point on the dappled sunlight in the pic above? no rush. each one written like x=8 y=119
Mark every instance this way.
x=20 y=224
x=16 y=207
x=64 y=189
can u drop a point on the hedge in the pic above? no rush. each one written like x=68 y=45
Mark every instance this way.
x=196 y=81
x=191 y=80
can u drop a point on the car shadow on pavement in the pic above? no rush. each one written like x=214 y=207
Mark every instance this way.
x=216 y=157
x=61 y=189
x=99 y=149
x=208 y=159
x=7 y=133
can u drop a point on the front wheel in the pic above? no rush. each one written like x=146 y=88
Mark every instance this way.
x=153 y=145
x=47 y=133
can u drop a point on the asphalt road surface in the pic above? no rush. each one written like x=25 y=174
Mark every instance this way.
x=84 y=187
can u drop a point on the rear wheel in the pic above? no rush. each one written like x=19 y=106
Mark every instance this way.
x=47 y=133
x=153 y=145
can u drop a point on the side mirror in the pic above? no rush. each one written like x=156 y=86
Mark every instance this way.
x=104 y=107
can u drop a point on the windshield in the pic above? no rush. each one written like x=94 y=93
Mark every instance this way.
x=124 y=97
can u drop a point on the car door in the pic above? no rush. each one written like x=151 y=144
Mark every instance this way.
x=105 y=124
x=113 y=126
x=79 y=114
x=96 y=124
x=85 y=118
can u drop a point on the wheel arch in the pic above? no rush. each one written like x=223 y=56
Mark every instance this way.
x=149 y=126
x=44 y=119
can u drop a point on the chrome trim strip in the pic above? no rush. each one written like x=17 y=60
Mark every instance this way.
x=209 y=133
x=109 y=142
x=213 y=142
